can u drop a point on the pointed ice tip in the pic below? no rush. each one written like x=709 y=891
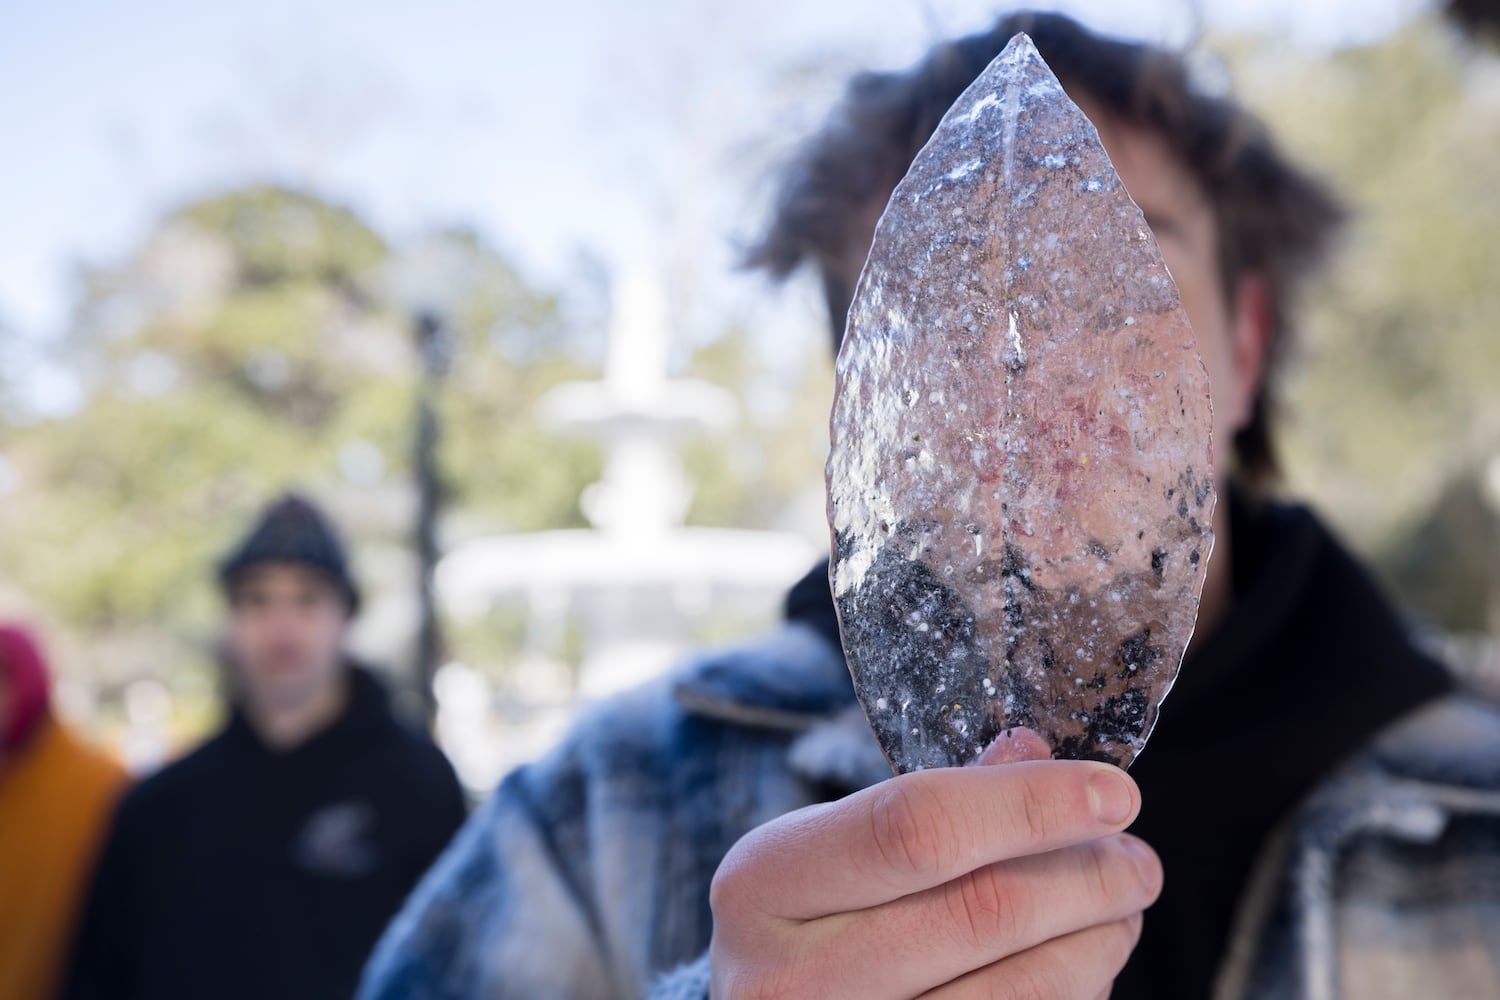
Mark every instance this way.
x=1021 y=58
x=1020 y=48
x=1018 y=64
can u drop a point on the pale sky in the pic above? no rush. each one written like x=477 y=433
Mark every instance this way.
x=634 y=131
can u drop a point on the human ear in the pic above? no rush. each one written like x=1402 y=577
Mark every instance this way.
x=1251 y=346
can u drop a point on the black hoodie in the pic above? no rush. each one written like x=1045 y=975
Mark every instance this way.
x=244 y=871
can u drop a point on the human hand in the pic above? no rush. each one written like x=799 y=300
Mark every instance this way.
x=1009 y=878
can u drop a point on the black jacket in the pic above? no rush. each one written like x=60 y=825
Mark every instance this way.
x=1310 y=663
x=241 y=871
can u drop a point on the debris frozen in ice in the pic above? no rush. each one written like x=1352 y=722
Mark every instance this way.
x=1020 y=483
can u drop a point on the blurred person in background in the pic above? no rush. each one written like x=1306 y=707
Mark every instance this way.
x=56 y=796
x=265 y=863
x=1318 y=811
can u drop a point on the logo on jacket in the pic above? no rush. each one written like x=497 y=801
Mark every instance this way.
x=339 y=840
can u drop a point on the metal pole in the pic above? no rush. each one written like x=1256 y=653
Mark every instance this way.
x=429 y=646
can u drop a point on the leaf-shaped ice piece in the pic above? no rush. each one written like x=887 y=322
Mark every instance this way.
x=1020 y=484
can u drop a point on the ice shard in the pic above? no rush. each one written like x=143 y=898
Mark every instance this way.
x=1020 y=485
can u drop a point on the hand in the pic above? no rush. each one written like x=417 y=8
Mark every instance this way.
x=996 y=880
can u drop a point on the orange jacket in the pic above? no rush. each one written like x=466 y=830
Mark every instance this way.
x=56 y=798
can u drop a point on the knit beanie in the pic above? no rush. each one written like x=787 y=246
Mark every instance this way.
x=293 y=530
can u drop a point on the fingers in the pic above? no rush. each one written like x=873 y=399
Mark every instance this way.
x=921 y=941
x=918 y=831
x=1081 y=965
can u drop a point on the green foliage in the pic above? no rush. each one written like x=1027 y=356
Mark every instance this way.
x=775 y=453
x=1394 y=391
x=278 y=236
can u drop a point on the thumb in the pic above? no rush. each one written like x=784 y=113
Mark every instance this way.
x=1013 y=746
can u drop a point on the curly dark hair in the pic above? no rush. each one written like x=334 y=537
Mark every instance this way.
x=1274 y=220
x=1480 y=18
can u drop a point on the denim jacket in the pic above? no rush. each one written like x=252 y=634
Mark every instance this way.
x=587 y=873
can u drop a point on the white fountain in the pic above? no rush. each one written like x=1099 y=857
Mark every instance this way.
x=639 y=579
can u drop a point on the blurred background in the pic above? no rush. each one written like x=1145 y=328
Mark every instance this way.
x=466 y=273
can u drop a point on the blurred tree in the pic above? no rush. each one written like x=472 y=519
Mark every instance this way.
x=1446 y=564
x=1395 y=392
x=247 y=346
x=512 y=344
x=752 y=476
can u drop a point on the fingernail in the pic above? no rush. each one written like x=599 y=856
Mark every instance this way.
x=1109 y=794
x=1146 y=865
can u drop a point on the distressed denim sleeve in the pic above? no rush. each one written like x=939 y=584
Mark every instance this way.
x=497 y=917
x=687 y=982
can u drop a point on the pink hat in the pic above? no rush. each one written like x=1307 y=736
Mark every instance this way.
x=25 y=674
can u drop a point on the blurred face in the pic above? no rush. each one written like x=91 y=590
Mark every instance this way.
x=287 y=627
x=1230 y=325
